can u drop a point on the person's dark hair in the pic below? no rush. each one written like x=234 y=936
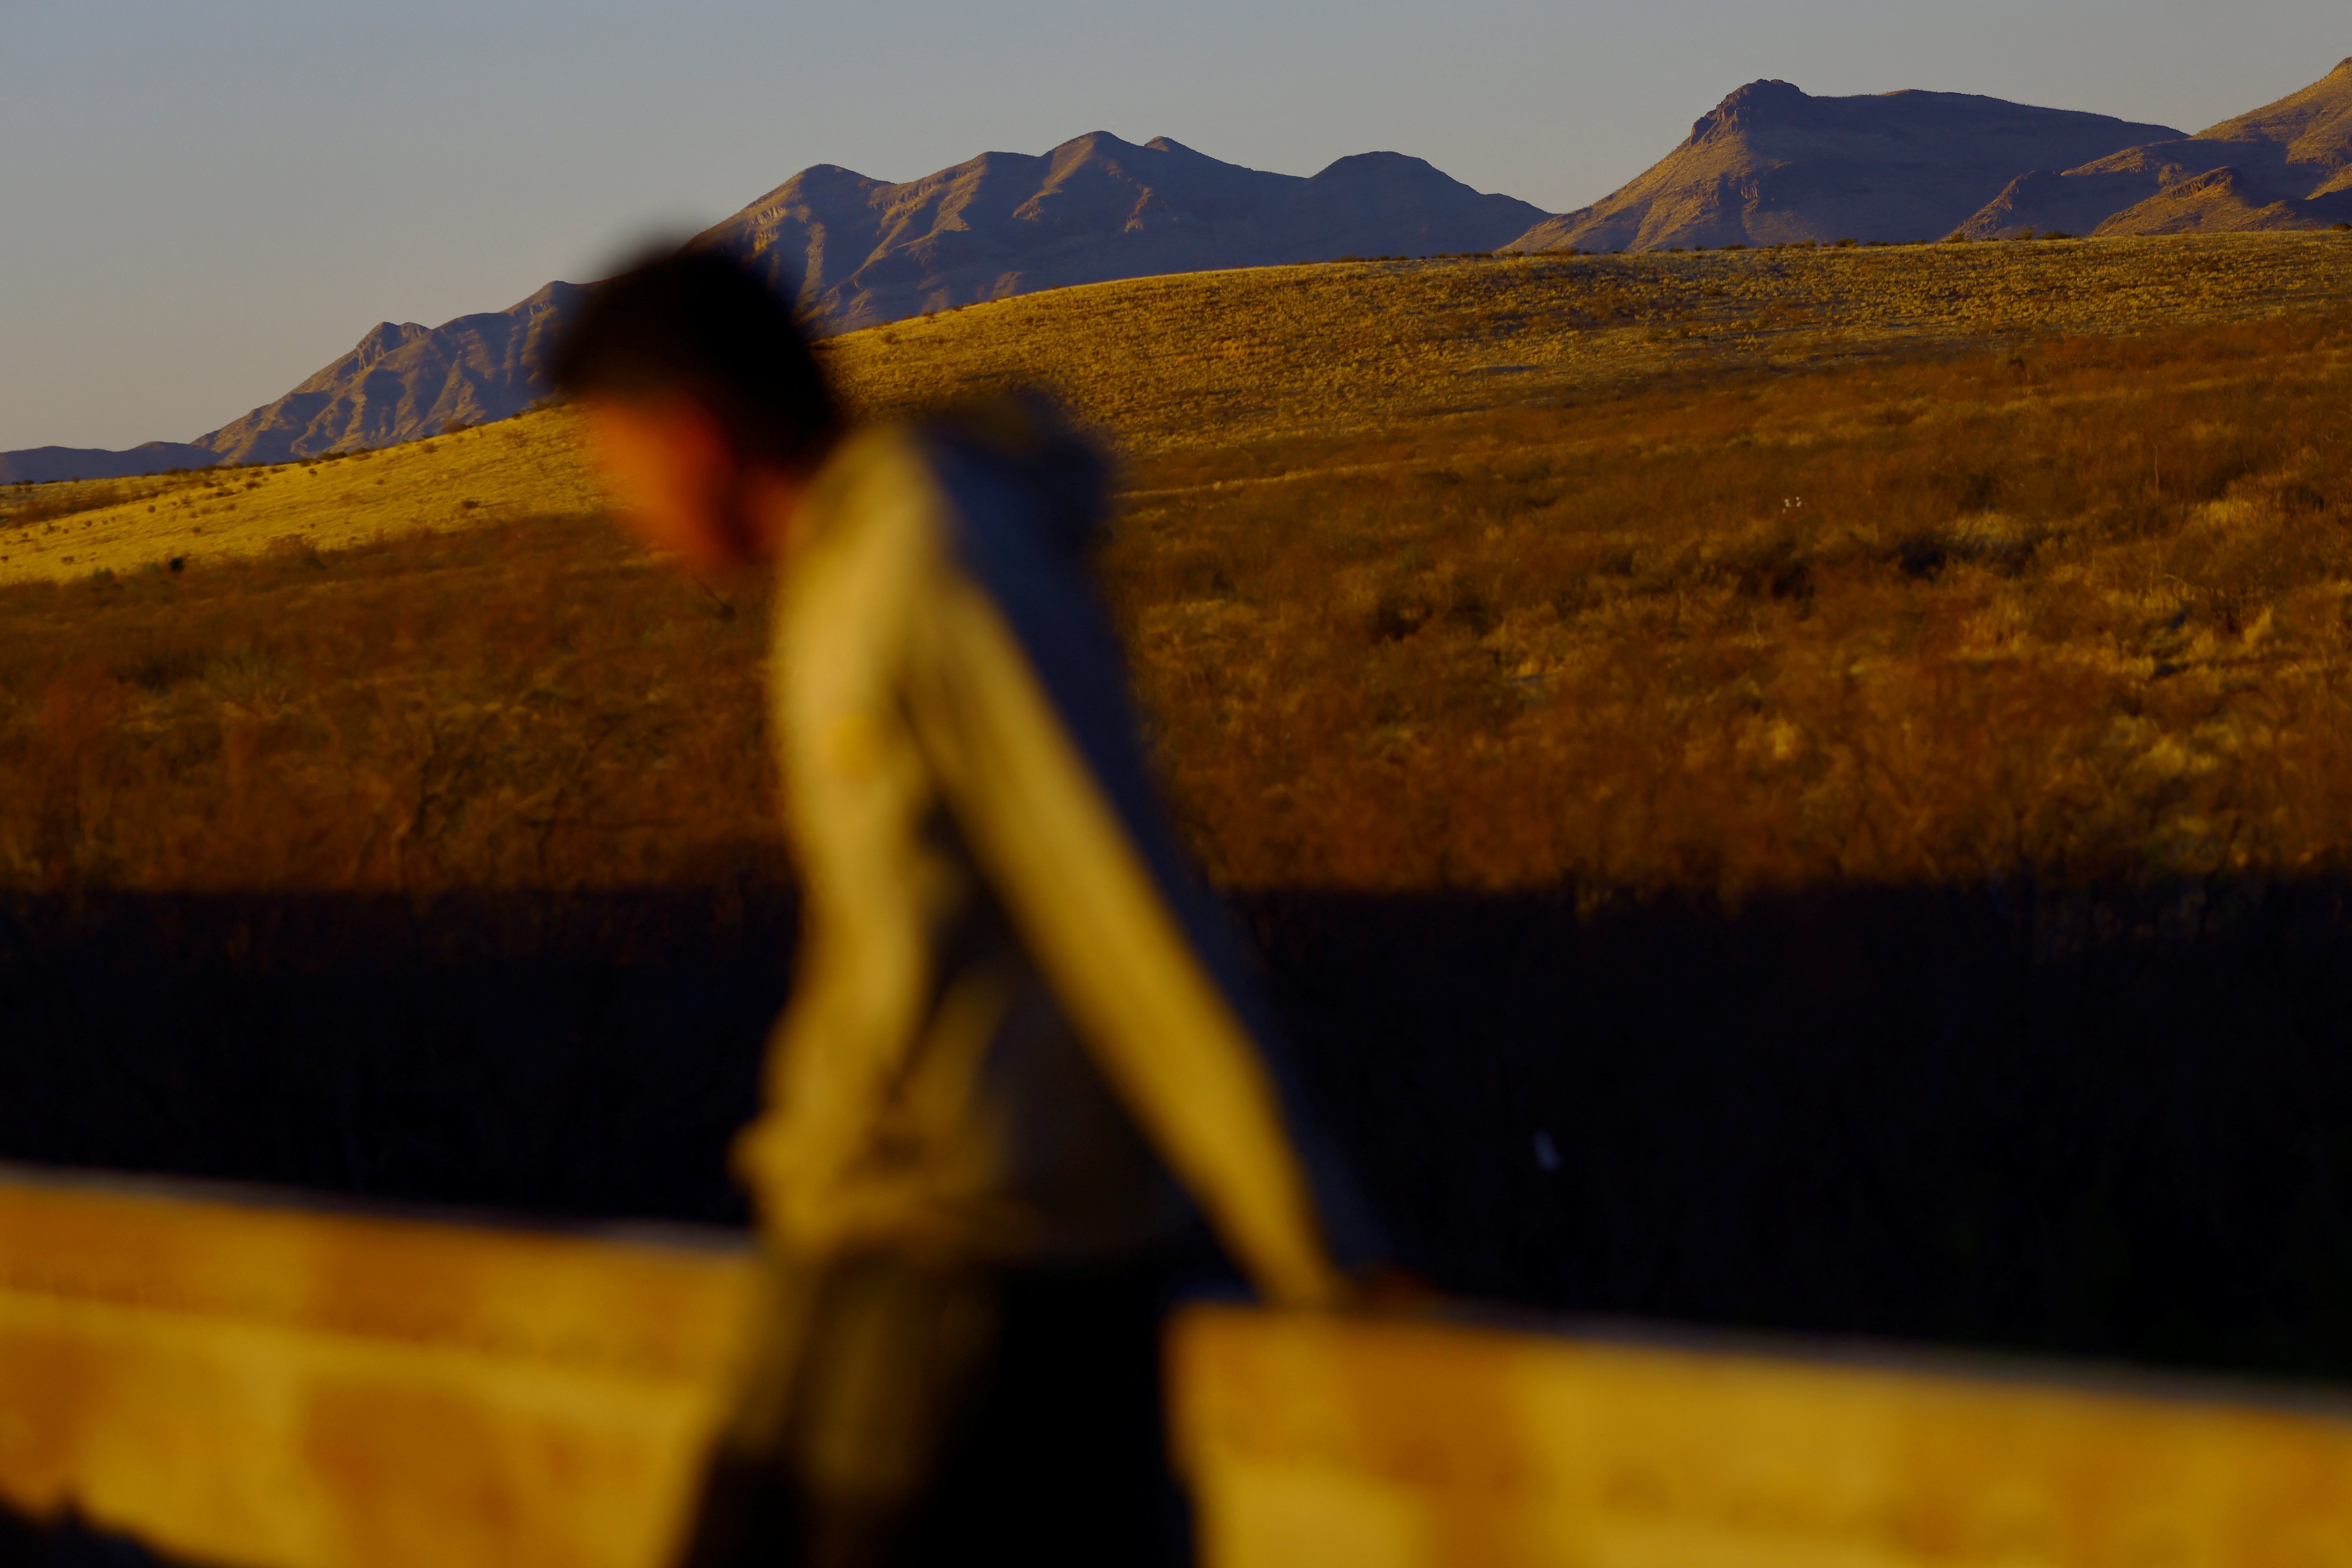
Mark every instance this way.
x=698 y=324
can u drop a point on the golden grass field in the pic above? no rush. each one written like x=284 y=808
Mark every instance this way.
x=1715 y=571
x=1232 y=360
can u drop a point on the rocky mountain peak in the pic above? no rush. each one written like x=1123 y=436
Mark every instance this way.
x=1094 y=209
x=1772 y=162
x=1747 y=106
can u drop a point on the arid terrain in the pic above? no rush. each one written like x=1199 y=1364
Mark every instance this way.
x=1856 y=765
x=1237 y=360
x=1704 y=572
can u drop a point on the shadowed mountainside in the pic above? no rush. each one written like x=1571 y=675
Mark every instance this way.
x=862 y=251
x=1772 y=164
x=45 y=465
x=2285 y=166
x=402 y=381
x=399 y=382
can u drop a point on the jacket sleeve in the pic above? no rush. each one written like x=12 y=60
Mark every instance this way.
x=859 y=791
x=1102 y=930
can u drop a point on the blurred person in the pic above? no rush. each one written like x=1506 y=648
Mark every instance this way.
x=1022 y=1059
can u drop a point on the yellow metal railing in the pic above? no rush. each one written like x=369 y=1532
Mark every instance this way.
x=274 y=1387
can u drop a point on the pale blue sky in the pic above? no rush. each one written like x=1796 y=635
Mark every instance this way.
x=201 y=203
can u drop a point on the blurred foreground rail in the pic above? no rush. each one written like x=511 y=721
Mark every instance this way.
x=289 y=1388
x=286 y=1388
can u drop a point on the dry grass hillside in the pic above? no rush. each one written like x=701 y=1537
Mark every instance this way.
x=204 y=515
x=1234 y=359
x=2080 y=610
x=1717 y=571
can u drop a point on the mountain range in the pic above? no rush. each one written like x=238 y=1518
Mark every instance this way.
x=857 y=251
x=2287 y=166
x=1773 y=164
x=1769 y=164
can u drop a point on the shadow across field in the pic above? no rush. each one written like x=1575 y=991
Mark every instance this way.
x=69 y=1543
x=2114 y=1124
x=578 y=1054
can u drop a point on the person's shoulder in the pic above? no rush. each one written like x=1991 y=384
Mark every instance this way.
x=973 y=481
x=876 y=489
x=870 y=457
x=1017 y=461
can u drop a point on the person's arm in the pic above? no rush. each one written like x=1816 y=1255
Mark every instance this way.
x=858 y=790
x=1085 y=898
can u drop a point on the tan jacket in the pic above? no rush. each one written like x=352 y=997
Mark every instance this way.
x=1013 y=1016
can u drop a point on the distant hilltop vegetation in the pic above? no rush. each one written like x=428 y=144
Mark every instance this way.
x=1769 y=164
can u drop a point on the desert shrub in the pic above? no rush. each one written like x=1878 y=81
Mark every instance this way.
x=46 y=503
